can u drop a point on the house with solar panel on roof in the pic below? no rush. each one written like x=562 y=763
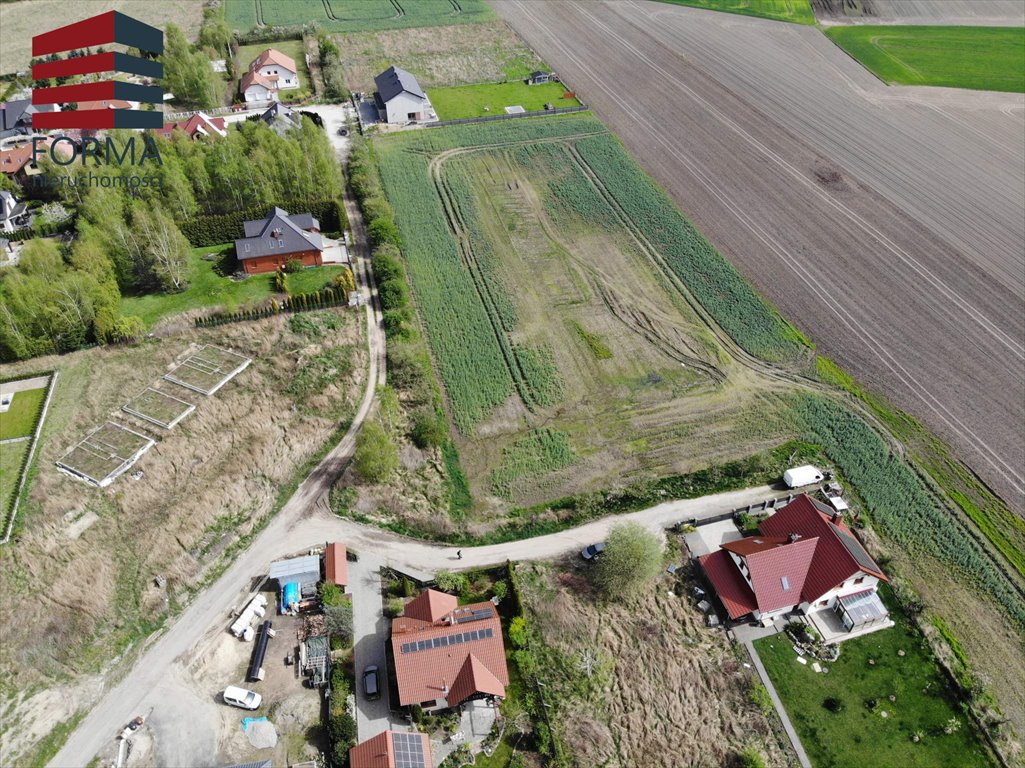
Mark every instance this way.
x=447 y=654
x=393 y=749
x=804 y=561
x=400 y=99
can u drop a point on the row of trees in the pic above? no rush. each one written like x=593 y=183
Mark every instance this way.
x=187 y=71
x=331 y=70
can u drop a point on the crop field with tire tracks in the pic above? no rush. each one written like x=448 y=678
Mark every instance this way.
x=563 y=320
x=884 y=221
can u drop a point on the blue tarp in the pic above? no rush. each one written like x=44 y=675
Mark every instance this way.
x=289 y=596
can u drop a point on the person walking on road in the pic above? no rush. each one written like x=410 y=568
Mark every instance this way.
x=459 y=554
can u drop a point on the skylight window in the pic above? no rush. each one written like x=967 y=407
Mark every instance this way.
x=786 y=583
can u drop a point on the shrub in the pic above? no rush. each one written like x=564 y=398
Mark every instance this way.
x=749 y=758
x=394 y=294
x=447 y=581
x=293 y=265
x=384 y=231
x=832 y=704
x=376 y=455
x=331 y=594
x=429 y=428
x=631 y=560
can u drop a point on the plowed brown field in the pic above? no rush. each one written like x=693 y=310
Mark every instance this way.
x=885 y=222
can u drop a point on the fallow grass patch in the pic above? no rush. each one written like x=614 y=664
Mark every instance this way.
x=796 y=11
x=492 y=98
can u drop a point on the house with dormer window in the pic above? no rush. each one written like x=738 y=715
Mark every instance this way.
x=277 y=239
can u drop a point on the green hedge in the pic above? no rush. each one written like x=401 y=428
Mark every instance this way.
x=40 y=230
x=332 y=296
x=202 y=231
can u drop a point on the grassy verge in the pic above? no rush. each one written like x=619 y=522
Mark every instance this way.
x=492 y=98
x=981 y=58
x=796 y=11
x=1004 y=529
x=893 y=704
x=20 y=419
x=209 y=285
x=44 y=750
x=558 y=515
x=12 y=456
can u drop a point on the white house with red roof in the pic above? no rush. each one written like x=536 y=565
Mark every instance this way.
x=268 y=73
x=805 y=560
x=447 y=654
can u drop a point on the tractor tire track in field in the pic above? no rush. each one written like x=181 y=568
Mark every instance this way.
x=950 y=302
x=399 y=10
x=329 y=10
x=259 y=13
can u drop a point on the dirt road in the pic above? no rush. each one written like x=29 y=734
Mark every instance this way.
x=885 y=222
x=305 y=521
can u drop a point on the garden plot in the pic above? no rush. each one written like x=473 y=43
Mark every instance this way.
x=107 y=452
x=208 y=370
x=159 y=408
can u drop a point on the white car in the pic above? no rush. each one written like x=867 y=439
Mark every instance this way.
x=240 y=697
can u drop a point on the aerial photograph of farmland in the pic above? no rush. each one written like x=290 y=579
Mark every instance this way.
x=512 y=383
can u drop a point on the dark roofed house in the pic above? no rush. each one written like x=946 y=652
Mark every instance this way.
x=400 y=98
x=278 y=238
x=447 y=654
x=281 y=118
x=804 y=560
x=393 y=749
x=538 y=78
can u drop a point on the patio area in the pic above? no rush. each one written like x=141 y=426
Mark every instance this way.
x=708 y=538
x=830 y=626
x=475 y=722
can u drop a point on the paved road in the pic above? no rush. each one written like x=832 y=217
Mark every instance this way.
x=370 y=633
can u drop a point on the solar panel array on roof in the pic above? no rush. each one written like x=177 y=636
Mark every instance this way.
x=408 y=749
x=857 y=551
x=480 y=613
x=447 y=640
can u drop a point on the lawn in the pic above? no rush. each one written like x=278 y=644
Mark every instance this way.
x=797 y=11
x=871 y=669
x=208 y=287
x=11 y=457
x=20 y=418
x=493 y=98
x=981 y=58
x=291 y=48
x=354 y=15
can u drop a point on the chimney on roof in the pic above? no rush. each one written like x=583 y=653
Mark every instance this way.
x=794 y=537
x=444 y=687
x=835 y=517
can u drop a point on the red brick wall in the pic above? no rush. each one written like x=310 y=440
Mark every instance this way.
x=270 y=263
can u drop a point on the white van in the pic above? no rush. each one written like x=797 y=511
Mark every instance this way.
x=801 y=476
x=240 y=697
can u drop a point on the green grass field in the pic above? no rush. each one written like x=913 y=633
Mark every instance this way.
x=20 y=418
x=11 y=457
x=354 y=15
x=291 y=48
x=493 y=98
x=209 y=288
x=858 y=734
x=797 y=11
x=981 y=58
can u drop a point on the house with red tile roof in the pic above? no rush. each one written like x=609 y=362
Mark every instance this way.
x=196 y=126
x=446 y=654
x=804 y=560
x=268 y=73
x=392 y=749
x=18 y=162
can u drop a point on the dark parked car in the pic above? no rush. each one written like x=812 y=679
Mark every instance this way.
x=591 y=552
x=371 y=688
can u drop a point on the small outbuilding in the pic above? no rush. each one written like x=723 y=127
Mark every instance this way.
x=539 y=78
x=336 y=565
